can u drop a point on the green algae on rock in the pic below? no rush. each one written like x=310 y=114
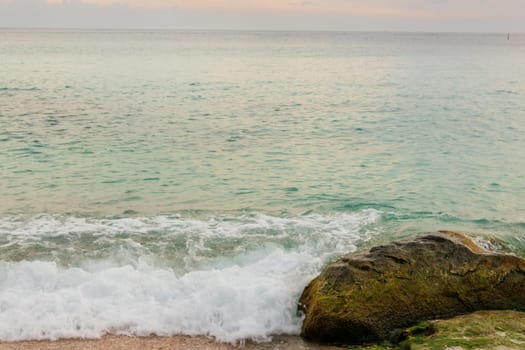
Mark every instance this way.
x=481 y=330
x=366 y=297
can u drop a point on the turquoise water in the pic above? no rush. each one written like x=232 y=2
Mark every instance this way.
x=168 y=169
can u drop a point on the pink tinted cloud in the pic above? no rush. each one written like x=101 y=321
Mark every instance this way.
x=296 y=6
x=413 y=9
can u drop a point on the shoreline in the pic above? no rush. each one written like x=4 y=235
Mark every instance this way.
x=122 y=342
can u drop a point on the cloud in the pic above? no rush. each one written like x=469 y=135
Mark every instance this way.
x=334 y=7
x=411 y=15
x=419 y=9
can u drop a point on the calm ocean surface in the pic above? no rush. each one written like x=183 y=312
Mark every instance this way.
x=193 y=182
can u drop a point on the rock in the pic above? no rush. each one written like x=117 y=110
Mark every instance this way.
x=483 y=330
x=366 y=297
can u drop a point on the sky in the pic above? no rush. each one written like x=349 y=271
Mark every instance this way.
x=353 y=15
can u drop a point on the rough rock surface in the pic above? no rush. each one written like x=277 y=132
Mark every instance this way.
x=366 y=297
x=482 y=330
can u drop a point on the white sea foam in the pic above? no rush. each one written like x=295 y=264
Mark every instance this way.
x=251 y=294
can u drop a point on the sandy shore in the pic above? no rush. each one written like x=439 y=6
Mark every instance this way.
x=113 y=342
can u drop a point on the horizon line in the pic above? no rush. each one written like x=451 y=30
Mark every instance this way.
x=298 y=30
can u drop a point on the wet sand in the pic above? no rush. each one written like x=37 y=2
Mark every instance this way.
x=113 y=342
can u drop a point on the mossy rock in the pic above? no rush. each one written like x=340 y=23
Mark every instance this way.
x=367 y=297
x=482 y=330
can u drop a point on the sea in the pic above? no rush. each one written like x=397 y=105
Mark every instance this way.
x=194 y=182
